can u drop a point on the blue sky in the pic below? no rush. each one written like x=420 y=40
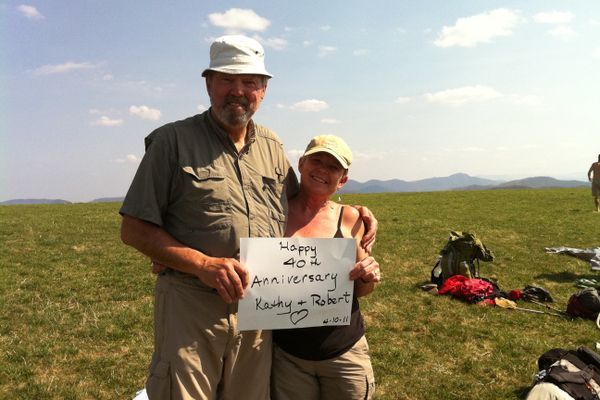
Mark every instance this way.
x=501 y=89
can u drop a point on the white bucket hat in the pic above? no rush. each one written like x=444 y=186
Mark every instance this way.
x=237 y=54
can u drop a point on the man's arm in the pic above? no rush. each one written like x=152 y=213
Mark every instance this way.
x=226 y=275
x=371 y=225
x=590 y=172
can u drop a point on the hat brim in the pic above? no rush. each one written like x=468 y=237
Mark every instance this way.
x=339 y=158
x=238 y=71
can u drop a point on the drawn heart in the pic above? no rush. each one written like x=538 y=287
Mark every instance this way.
x=298 y=316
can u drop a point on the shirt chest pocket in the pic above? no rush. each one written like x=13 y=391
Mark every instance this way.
x=206 y=198
x=273 y=194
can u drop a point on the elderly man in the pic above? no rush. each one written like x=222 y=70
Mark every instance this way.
x=594 y=177
x=203 y=183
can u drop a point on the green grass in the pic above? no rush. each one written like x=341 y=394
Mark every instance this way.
x=76 y=304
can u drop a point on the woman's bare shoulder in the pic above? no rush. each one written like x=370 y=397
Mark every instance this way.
x=352 y=221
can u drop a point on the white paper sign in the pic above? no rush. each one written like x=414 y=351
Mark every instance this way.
x=296 y=282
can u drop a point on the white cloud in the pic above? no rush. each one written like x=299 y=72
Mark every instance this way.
x=275 y=43
x=312 y=105
x=330 y=121
x=106 y=121
x=325 y=28
x=480 y=28
x=402 y=100
x=360 y=52
x=238 y=19
x=472 y=149
x=562 y=31
x=145 y=112
x=30 y=12
x=526 y=100
x=62 y=68
x=596 y=53
x=201 y=107
x=370 y=156
x=96 y=111
x=107 y=77
x=554 y=17
x=307 y=43
x=129 y=158
x=462 y=95
x=326 y=50
x=293 y=155
x=465 y=149
x=280 y=106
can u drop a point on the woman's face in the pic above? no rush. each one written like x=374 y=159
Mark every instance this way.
x=321 y=173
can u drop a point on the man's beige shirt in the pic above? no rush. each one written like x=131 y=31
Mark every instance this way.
x=193 y=183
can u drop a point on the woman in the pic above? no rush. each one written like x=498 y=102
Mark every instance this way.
x=330 y=362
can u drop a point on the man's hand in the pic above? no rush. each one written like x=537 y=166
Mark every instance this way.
x=157 y=267
x=226 y=275
x=367 y=270
x=368 y=239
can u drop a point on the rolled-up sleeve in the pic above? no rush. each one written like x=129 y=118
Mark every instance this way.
x=148 y=195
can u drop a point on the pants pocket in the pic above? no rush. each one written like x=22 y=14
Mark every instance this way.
x=158 y=385
x=370 y=386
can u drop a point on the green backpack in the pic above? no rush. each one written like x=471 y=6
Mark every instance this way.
x=459 y=257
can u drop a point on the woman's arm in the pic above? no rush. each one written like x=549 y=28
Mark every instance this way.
x=365 y=273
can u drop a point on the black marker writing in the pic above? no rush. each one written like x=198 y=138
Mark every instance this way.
x=317 y=300
x=302 y=251
x=262 y=304
x=300 y=279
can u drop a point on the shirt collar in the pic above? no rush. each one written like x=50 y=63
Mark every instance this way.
x=224 y=137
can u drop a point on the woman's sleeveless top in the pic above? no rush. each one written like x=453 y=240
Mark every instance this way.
x=324 y=342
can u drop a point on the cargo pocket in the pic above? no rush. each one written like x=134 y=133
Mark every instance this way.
x=370 y=387
x=158 y=385
x=360 y=354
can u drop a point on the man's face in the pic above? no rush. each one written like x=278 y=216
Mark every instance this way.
x=235 y=98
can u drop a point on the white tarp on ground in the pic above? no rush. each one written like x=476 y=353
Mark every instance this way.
x=591 y=255
x=548 y=391
x=141 y=395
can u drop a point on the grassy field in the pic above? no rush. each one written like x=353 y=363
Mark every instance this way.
x=76 y=304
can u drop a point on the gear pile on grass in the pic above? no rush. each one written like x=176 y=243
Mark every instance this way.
x=457 y=273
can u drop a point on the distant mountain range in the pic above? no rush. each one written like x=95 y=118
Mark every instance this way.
x=453 y=182
x=35 y=201
x=58 y=201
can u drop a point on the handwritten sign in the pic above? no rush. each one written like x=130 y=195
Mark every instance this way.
x=296 y=282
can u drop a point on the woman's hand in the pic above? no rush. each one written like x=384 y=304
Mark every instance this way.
x=366 y=270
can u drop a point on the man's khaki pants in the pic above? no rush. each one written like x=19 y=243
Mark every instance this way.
x=198 y=351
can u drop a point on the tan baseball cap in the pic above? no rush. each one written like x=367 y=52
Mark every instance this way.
x=237 y=54
x=333 y=145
